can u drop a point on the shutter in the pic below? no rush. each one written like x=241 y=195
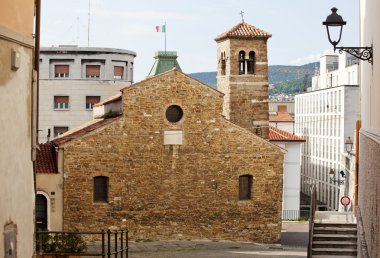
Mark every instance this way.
x=62 y=69
x=281 y=108
x=93 y=70
x=61 y=99
x=60 y=130
x=92 y=99
x=118 y=71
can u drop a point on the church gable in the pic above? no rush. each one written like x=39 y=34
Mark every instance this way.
x=165 y=166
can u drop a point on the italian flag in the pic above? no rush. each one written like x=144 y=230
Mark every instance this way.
x=161 y=28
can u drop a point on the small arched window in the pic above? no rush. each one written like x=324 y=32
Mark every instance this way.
x=223 y=63
x=241 y=62
x=245 y=187
x=251 y=63
x=100 y=189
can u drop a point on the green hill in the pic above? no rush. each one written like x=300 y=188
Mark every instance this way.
x=286 y=83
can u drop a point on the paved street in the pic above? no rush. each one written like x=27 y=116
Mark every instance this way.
x=293 y=244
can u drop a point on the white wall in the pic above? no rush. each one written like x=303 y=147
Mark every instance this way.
x=16 y=167
x=292 y=175
x=286 y=126
x=370 y=77
x=325 y=118
x=77 y=90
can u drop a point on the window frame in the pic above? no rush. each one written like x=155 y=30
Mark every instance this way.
x=89 y=106
x=58 y=134
x=103 y=197
x=245 y=194
x=61 y=105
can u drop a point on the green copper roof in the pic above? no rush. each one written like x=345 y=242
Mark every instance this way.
x=165 y=61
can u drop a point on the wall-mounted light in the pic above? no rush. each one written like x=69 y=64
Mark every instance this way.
x=336 y=181
x=335 y=22
x=349 y=144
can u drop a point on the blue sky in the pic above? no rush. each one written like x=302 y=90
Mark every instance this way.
x=296 y=26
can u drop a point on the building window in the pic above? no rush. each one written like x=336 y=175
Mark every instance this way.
x=251 y=63
x=223 y=63
x=92 y=71
x=61 y=71
x=100 y=189
x=91 y=100
x=241 y=62
x=58 y=130
x=245 y=187
x=174 y=113
x=118 y=72
x=61 y=102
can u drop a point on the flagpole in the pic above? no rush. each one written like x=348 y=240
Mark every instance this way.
x=165 y=37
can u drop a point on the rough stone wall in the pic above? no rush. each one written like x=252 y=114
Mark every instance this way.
x=246 y=95
x=187 y=191
x=369 y=193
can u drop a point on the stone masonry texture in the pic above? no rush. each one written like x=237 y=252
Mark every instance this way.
x=246 y=95
x=369 y=193
x=187 y=191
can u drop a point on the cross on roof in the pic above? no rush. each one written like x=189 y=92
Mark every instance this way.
x=242 y=16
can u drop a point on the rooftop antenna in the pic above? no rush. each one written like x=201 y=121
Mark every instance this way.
x=88 y=27
x=77 y=30
x=242 y=16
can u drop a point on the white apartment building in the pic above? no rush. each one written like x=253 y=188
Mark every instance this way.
x=325 y=118
x=73 y=79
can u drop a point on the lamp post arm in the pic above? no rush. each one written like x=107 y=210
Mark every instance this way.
x=362 y=53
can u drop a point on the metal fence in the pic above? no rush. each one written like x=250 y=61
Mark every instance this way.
x=295 y=215
x=110 y=243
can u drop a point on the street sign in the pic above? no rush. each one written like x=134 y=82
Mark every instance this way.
x=345 y=200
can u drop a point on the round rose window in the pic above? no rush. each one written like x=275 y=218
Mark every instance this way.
x=174 y=113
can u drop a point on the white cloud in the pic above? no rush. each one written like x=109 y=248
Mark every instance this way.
x=311 y=58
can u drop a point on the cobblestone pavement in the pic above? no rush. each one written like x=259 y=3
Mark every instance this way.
x=293 y=244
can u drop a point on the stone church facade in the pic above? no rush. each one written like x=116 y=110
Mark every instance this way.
x=171 y=166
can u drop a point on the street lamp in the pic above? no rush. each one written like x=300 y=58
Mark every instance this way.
x=335 y=21
x=349 y=143
x=333 y=180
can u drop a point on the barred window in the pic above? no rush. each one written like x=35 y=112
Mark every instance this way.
x=100 y=189
x=245 y=187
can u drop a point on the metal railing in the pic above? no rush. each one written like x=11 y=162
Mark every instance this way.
x=110 y=243
x=313 y=207
x=296 y=215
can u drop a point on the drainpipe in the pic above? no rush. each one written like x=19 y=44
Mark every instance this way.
x=358 y=126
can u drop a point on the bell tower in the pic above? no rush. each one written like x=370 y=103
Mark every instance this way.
x=242 y=75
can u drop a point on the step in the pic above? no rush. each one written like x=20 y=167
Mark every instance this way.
x=349 y=225
x=333 y=251
x=336 y=244
x=332 y=237
x=333 y=256
x=334 y=230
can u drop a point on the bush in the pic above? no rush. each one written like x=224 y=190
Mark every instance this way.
x=61 y=243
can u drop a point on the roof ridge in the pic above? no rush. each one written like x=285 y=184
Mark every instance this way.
x=243 y=30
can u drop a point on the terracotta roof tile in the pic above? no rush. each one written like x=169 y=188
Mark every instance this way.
x=281 y=117
x=83 y=129
x=46 y=161
x=279 y=135
x=243 y=30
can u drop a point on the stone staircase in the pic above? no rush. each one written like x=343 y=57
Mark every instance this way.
x=334 y=240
